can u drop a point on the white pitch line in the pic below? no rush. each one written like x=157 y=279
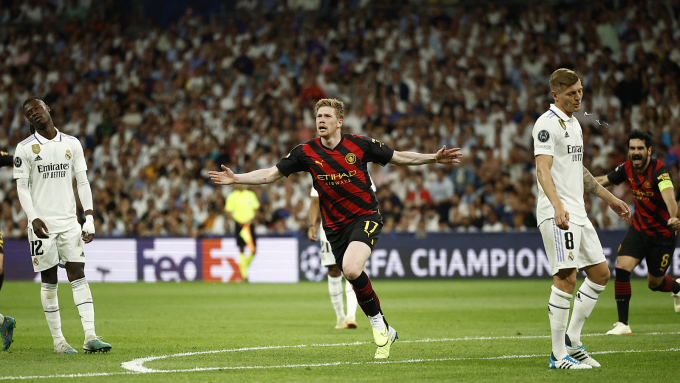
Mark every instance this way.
x=136 y=367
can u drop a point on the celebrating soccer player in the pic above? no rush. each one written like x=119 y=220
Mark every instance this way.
x=338 y=163
x=44 y=167
x=570 y=240
x=654 y=232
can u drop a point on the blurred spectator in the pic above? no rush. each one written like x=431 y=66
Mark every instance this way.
x=156 y=108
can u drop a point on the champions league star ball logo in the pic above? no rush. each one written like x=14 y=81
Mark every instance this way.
x=310 y=264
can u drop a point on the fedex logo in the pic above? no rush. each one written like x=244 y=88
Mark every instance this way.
x=220 y=260
x=171 y=259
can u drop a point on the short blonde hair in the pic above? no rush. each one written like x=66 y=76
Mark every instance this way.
x=338 y=105
x=563 y=78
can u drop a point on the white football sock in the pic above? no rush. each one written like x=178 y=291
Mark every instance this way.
x=586 y=298
x=2 y=318
x=83 y=300
x=50 y=303
x=558 y=312
x=351 y=300
x=377 y=322
x=335 y=291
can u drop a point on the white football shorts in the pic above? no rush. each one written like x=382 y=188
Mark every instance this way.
x=58 y=248
x=575 y=248
x=327 y=257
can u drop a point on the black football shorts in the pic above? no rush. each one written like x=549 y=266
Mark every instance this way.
x=364 y=229
x=657 y=250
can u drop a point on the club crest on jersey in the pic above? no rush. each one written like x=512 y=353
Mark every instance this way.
x=68 y=154
x=36 y=148
x=350 y=158
x=571 y=256
x=35 y=261
x=648 y=184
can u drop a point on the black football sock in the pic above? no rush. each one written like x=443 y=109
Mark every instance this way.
x=366 y=297
x=622 y=294
x=667 y=285
x=2 y=278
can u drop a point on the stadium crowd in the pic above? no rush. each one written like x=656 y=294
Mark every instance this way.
x=155 y=111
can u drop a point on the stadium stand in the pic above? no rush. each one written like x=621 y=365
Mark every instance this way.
x=156 y=107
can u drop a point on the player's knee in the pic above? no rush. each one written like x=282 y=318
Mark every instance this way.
x=653 y=284
x=605 y=278
x=352 y=273
x=334 y=271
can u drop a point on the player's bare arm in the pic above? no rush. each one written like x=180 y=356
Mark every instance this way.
x=604 y=181
x=314 y=220
x=443 y=156
x=543 y=166
x=668 y=195
x=590 y=184
x=256 y=177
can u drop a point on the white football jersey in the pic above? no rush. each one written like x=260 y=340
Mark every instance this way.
x=50 y=166
x=561 y=137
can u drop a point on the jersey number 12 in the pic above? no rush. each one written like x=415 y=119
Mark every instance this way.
x=35 y=248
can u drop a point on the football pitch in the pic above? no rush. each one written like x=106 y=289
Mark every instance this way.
x=448 y=331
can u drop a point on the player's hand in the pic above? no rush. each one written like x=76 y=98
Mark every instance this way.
x=562 y=217
x=444 y=156
x=311 y=233
x=674 y=223
x=620 y=208
x=88 y=229
x=40 y=229
x=222 y=178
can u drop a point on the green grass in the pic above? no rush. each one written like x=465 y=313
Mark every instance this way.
x=141 y=320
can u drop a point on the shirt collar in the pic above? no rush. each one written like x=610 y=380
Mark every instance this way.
x=42 y=140
x=560 y=113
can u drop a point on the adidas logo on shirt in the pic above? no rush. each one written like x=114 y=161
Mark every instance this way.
x=566 y=134
x=38 y=158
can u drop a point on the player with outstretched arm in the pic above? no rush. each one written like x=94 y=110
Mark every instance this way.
x=44 y=166
x=569 y=238
x=654 y=232
x=338 y=163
